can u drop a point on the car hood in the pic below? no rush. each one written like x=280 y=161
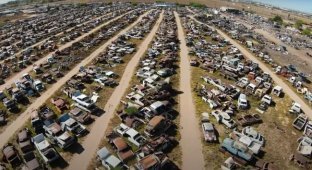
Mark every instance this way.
x=65 y=136
x=33 y=164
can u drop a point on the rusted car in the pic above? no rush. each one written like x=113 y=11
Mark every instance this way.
x=24 y=140
x=11 y=156
x=124 y=151
x=59 y=103
x=249 y=119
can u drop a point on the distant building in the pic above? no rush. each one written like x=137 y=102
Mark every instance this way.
x=231 y=10
x=165 y=4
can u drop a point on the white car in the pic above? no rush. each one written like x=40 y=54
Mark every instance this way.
x=109 y=74
x=131 y=134
x=47 y=152
x=101 y=80
x=71 y=125
x=243 y=82
x=207 y=79
x=105 y=81
x=252 y=145
x=267 y=99
x=38 y=85
x=242 y=101
x=223 y=117
x=305 y=146
x=253 y=134
x=212 y=104
x=82 y=99
x=108 y=160
x=295 y=108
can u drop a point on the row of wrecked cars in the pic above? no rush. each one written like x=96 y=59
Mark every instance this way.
x=55 y=126
x=303 y=154
x=297 y=79
x=146 y=127
x=229 y=103
x=27 y=32
x=20 y=60
x=32 y=84
x=50 y=130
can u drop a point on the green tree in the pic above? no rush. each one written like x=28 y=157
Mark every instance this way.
x=299 y=24
x=278 y=19
x=131 y=110
x=307 y=32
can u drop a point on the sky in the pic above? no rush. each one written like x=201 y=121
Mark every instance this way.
x=4 y=1
x=298 y=5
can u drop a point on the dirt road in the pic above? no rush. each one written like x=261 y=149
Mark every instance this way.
x=92 y=141
x=294 y=96
x=192 y=153
x=58 y=34
x=11 y=80
x=21 y=120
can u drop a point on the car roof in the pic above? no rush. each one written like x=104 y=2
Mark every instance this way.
x=240 y=146
x=156 y=104
x=155 y=121
x=149 y=161
x=251 y=131
x=207 y=126
x=131 y=132
x=120 y=143
x=113 y=161
x=55 y=128
x=103 y=153
x=8 y=151
x=22 y=135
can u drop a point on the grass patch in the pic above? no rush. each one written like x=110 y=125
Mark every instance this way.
x=197 y=5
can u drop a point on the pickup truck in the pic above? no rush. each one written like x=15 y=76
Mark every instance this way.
x=45 y=149
x=237 y=148
x=38 y=85
x=71 y=125
x=131 y=134
x=223 y=117
x=249 y=119
x=243 y=82
x=57 y=136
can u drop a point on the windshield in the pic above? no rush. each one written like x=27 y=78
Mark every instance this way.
x=59 y=133
x=9 y=103
x=243 y=102
x=73 y=124
x=161 y=109
x=84 y=99
x=50 y=154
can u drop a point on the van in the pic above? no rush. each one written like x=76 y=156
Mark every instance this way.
x=267 y=99
x=242 y=101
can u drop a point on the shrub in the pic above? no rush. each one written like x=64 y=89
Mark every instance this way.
x=197 y=5
x=278 y=19
x=131 y=110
